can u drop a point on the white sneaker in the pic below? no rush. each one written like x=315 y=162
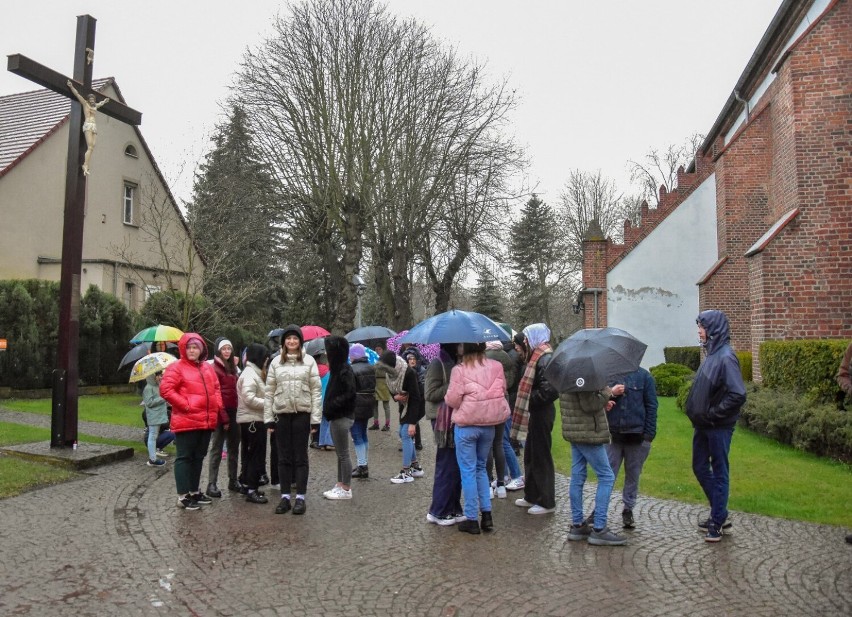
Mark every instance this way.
x=516 y=484
x=444 y=521
x=523 y=503
x=536 y=509
x=338 y=492
x=402 y=477
x=491 y=490
x=500 y=492
x=162 y=454
x=416 y=472
x=493 y=483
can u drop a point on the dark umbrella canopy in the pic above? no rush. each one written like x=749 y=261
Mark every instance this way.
x=370 y=336
x=456 y=327
x=589 y=358
x=139 y=351
x=315 y=347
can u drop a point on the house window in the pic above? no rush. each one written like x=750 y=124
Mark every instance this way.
x=130 y=151
x=128 y=203
x=129 y=292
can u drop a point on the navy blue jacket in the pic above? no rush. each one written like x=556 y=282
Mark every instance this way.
x=718 y=392
x=340 y=393
x=635 y=411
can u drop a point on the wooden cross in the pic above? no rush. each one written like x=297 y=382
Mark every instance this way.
x=65 y=377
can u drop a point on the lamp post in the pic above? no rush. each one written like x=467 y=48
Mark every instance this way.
x=360 y=288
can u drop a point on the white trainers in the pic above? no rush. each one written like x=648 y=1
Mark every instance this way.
x=515 y=485
x=162 y=454
x=402 y=477
x=492 y=491
x=537 y=509
x=338 y=492
x=416 y=472
x=523 y=503
x=444 y=521
x=500 y=491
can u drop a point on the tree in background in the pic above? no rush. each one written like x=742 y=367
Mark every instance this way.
x=235 y=222
x=537 y=250
x=659 y=168
x=486 y=296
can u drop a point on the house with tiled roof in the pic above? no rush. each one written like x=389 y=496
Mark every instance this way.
x=135 y=239
x=760 y=226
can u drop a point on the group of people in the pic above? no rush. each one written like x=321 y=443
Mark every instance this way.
x=482 y=400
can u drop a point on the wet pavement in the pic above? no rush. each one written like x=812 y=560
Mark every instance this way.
x=113 y=542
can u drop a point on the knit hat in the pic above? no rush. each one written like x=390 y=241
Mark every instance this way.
x=357 y=351
x=222 y=342
x=293 y=329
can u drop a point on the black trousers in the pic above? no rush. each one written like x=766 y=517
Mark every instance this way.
x=292 y=431
x=539 y=473
x=253 y=440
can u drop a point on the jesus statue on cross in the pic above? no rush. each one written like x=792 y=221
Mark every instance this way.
x=90 y=130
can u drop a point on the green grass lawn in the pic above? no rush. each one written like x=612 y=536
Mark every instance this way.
x=766 y=477
x=121 y=409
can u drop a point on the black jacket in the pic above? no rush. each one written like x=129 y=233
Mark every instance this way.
x=365 y=386
x=543 y=393
x=416 y=404
x=339 y=399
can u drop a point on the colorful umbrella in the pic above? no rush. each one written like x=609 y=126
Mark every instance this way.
x=309 y=333
x=142 y=349
x=150 y=364
x=157 y=333
x=428 y=351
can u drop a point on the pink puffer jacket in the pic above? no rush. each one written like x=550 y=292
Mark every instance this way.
x=192 y=389
x=477 y=394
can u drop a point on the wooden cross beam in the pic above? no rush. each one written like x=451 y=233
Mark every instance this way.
x=63 y=426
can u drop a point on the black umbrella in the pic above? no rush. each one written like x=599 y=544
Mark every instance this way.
x=139 y=351
x=370 y=336
x=315 y=347
x=589 y=358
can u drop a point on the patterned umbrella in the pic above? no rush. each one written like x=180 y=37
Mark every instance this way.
x=150 y=364
x=157 y=333
x=428 y=351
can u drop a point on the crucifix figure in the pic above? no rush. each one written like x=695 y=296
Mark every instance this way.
x=63 y=426
x=90 y=129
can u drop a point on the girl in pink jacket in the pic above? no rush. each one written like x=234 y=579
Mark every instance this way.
x=477 y=394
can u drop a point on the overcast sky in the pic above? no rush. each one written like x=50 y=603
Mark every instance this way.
x=600 y=82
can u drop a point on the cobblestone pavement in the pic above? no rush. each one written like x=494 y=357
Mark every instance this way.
x=113 y=543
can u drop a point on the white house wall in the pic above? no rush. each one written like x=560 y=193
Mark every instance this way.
x=652 y=292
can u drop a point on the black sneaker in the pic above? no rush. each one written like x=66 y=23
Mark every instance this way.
x=213 y=490
x=627 y=519
x=256 y=497
x=361 y=471
x=188 y=503
x=299 y=507
x=487 y=524
x=283 y=506
x=374 y=427
x=386 y=428
x=714 y=534
x=235 y=486
x=201 y=499
x=704 y=525
x=264 y=480
x=469 y=526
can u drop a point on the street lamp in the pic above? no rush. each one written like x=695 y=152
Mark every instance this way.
x=360 y=288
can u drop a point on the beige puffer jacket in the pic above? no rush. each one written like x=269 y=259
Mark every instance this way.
x=292 y=387
x=251 y=395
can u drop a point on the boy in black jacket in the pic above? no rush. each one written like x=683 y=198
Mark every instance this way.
x=338 y=407
x=405 y=389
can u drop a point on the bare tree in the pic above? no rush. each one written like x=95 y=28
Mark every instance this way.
x=659 y=168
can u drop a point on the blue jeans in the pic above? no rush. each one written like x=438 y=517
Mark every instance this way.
x=153 y=433
x=512 y=465
x=324 y=438
x=407 y=446
x=472 y=446
x=594 y=455
x=710 y=447
x=359 y=438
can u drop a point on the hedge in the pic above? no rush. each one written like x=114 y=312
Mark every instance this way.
x=670 y=377
x=687 y=356
x=804 y=367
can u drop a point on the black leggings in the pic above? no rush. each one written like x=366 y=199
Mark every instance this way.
x=292 y=431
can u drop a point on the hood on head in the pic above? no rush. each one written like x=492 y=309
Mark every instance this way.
x=357 y=352
x=717 y=328
x=537 y=334
x=337 y=351
x=292 y=329
x=184 y=341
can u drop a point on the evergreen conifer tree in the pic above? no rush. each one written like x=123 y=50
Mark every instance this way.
x=486 y=296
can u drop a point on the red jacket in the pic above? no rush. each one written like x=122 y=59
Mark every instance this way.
x=227 y=384
x=192 y=389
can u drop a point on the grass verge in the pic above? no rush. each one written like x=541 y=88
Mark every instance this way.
x=121 y=409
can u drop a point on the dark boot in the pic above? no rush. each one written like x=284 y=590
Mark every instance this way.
x=487 y=523
x=299 y=507
x=469 y=526
x=213 y=490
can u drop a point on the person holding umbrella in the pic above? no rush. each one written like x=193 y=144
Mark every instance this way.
x=191 y=387
x=477 y=393
x=532 y=420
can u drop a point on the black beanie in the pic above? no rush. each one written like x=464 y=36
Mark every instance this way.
x=293 y=329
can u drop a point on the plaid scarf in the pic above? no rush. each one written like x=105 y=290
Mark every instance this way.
x=521 y=414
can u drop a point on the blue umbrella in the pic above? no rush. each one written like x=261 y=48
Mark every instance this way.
x=456 y=327
x=589 y=358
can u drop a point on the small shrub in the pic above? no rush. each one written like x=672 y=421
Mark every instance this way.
x=688 y=356
x=803 y=366
x=682 y=393
x=670 y=377
x=745 y=364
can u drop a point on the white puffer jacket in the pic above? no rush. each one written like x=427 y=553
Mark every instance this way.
x=251 y=395
x=292 y=387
